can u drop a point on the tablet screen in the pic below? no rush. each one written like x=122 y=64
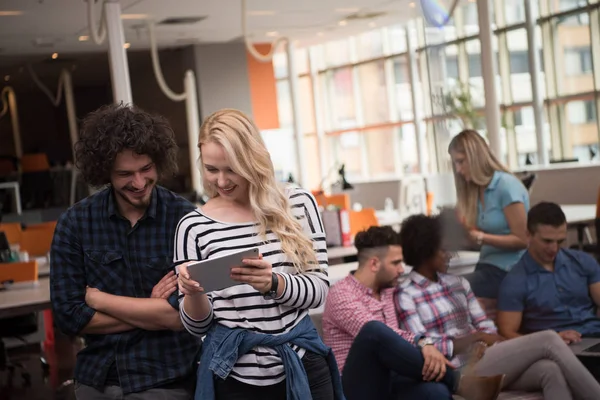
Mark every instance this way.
x=214 y=273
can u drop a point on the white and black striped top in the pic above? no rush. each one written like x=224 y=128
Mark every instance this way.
x=200 y=237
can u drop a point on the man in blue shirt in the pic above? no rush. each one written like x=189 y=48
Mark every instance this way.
x=550 y=287
x=111 y=277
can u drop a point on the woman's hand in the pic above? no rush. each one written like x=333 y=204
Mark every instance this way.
x=187 y=286
x=491 y=338
x=257 y=273
x=476 y=236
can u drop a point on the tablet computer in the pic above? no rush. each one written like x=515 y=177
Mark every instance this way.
x=214 y=273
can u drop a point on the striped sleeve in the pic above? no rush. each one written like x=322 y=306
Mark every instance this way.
x=309 y=289
x=187 y=249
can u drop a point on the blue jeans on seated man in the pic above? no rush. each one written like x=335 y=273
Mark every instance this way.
x=382 y=365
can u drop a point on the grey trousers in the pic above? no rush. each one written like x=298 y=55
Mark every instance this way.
x=540 y=361
x=83 y=392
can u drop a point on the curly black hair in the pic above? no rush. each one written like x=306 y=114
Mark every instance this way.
x=421 y=238
x=373 y=239
x=116 y=127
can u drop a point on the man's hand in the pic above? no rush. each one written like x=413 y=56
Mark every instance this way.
x=435 y=364
x=570 y=336
x=92 y=296
x=166 y=286
x=490 y=339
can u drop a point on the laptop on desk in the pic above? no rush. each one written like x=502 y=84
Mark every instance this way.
x=588 y=347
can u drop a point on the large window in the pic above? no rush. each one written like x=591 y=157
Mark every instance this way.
x=360 y=109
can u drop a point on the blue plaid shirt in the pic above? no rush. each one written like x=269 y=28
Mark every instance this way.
x=95 y=246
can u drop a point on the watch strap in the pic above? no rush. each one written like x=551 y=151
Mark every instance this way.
x=272 y=293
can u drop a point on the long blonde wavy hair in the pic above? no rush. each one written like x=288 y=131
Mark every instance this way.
x=482 y=165
x=250 y=159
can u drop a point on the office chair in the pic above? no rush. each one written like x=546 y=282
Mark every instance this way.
x=16 y=327
x=19 y=326
x=593 y=248
x=528 y=181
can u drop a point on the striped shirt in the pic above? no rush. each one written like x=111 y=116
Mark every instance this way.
x=200 y=237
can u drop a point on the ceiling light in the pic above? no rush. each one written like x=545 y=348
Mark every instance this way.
x=261 y=13
x=412 y=4
x=272 y=33
x=6 y=78
x=127 y=45
x=10 y=13
x=343 y=23
x=84 y=38
x=54 y=56
x=134 y=16
x=348 y=10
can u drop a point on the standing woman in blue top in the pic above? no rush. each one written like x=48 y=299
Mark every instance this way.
x=259 y=341
x=492 y=203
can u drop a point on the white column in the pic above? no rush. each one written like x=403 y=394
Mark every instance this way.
x=488 y=69
x=418 y=117
x=119 y=69
x=534 y=71
x=14 y=119
x=318 y=111
x=297 y=127
x=193 y=128
x=71 y=113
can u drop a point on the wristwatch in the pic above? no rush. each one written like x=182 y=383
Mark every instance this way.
x=426 y=341
x=272 y=293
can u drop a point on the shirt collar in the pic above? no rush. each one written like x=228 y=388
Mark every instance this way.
x=113 y=210
x=420 y=280
x=358 y=285
x=532 y=266
x=494 y=181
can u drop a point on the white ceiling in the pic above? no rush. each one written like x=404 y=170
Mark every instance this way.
x=60 y=22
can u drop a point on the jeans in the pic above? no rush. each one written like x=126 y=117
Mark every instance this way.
x=485 y=280
x=382 y=365
x=317 y=371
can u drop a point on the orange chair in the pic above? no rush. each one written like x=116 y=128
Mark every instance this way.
x=36 y=242
x=34 y=162
x=341 y=201
x=361 y=220
x=19 y=271
x=12 y=230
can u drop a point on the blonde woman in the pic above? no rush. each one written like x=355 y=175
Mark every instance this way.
x=493 y=206
x=260 y=342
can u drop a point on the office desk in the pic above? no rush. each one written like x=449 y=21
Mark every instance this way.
x=24 y=298
x=580 y=216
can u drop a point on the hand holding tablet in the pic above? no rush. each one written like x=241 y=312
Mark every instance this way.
x=217 y=273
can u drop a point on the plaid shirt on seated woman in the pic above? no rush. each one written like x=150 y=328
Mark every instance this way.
x=443 y=310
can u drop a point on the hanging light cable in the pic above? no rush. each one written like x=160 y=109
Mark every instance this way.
x=98 y=35
x=250 y=46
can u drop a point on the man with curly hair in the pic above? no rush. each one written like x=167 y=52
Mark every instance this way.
x=111 y=275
